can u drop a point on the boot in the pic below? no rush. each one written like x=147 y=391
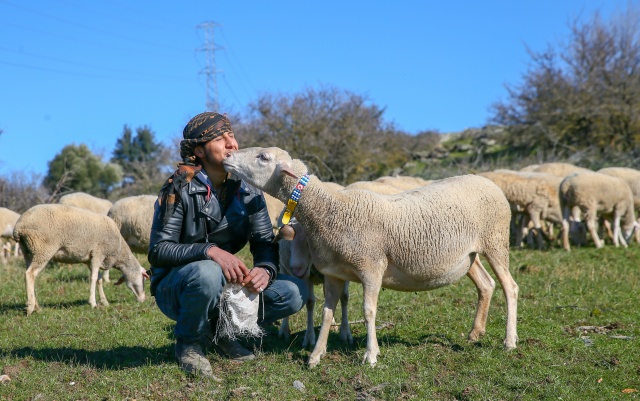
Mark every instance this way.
x=191 y=359
x=233 y=350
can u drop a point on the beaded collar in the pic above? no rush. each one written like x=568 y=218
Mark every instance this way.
x=294 y=198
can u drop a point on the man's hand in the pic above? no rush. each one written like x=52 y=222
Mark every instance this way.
x=233 y=269
x=257 y=279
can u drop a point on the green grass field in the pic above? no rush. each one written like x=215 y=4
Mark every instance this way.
x=578 y=326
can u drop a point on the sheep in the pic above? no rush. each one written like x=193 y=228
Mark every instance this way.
x=92 y=203
x=275 y=207
x=533 y=194
x=133 y=216
x=596 y=193
x=68 y=234
x=413 y=241
x=375 y=186
x=632 y=177
x=8 y=219
x=86 y=201
x=529 y=168
x=403 y=182
x=295 y=259
x=560 y=169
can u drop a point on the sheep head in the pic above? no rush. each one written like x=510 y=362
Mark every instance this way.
x=270 y=169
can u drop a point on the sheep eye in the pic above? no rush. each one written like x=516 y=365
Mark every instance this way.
x=263 y=157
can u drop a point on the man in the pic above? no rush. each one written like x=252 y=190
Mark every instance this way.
x=202 y=218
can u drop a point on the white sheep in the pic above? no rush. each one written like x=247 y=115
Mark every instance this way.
x=403 y=182
x=133 y=216
x=597 y=194
x=86 y=201
x=69 y=234
x=413 y=241
x=295 y=259
x=8 y=219
x=560 y=169
x=92 y=203
x=533 y=194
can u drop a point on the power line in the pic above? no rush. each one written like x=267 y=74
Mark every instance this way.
x=144 y=74
x=210 y=71
x=68 y=22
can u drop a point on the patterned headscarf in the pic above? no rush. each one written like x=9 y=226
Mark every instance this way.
x=198 y=131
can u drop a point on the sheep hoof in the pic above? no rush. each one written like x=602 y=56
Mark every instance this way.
x=313 y=361
x=371 y=358
x=509 y=346
x=474 y=335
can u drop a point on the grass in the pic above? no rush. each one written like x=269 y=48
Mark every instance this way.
x=124 y=351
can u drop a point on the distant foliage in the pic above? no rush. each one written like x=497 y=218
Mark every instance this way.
x=76 y=168
x=19 y=191
x=339 y=134
x=580 y=100
x=144 y=162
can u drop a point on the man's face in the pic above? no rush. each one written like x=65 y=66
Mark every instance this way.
x=216 y=150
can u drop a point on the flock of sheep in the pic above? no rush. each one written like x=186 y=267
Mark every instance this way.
x=402 y=233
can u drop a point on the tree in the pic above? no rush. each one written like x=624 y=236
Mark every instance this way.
x=143 y=161
x=76 y=168
x=339 y=134
x=583 y=97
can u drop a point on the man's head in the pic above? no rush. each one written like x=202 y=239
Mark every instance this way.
x=207 y=137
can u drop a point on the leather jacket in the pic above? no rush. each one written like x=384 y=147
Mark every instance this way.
x=197 y=224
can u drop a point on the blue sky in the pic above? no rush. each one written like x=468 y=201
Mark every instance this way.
x=77 y=71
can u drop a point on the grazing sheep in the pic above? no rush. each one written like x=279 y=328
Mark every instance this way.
x=560 y=169
x=86 y=201
x=413 y=241
x=632 y=177
x=533 y=194
x=8 y=219
x=133 y=216
x=403 y=182
x=598 y=194
x=68 y=234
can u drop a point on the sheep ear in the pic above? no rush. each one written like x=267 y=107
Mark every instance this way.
x=285 y=168
x=120 y=280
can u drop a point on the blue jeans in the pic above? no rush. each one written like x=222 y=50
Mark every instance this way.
x=190 y=294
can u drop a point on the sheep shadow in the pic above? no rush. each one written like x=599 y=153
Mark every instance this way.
x=118 y=358
x=7 y=308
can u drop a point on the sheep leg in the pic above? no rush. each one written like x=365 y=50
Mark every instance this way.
x=485 y=286
x=499 y=262
x=535 y=219
x=564 y=231
x=310 y=334
x=34 y=268
x=593 y=230
x=371 y=290
x=105 y=276
x=345 y=329
x=332 y=288
x=610 y=233
x=520 y=228
x=103 y=298
x=94 y=266
x=618 y=238
x=285 y=329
